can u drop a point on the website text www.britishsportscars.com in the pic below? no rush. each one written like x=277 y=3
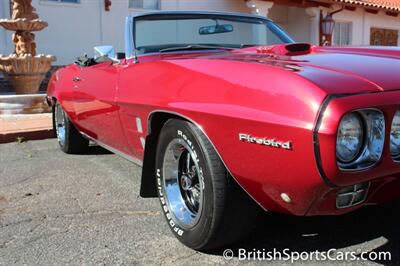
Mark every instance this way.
x=293 y=256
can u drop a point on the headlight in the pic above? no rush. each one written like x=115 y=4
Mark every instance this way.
x=349 y=138
x=360 y=139
x=395 y=136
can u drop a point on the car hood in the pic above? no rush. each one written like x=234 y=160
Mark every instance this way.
x=336 y=70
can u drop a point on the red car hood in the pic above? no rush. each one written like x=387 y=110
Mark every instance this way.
x=336 y=70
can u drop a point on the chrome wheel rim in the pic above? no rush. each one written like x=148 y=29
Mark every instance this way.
x=60 y=124
x=183 y=183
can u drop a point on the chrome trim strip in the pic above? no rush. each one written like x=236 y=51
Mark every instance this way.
x=143 y=141
x=212 y=144
x=139 y=125
x=115 y=151
x=316 y=143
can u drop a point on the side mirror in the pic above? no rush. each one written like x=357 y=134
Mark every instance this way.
x=105 y=51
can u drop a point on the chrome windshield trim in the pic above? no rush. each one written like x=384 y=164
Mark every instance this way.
x=188 y=12
x=129 y=40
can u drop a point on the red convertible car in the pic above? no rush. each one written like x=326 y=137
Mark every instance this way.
x=226 y=113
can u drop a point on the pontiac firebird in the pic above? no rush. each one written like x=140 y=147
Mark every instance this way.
x=226 y=114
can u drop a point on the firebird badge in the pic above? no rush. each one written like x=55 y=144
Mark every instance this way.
x=266 y=142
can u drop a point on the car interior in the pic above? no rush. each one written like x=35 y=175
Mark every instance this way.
x=85 y=61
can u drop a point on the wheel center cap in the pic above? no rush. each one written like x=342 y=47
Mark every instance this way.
x=186 y=183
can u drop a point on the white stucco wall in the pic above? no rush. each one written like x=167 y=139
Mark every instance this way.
x=216 y=5
x=295 y=21
x=280 y=15
x=73 y=28
x=380 y=21
x=362 y=22
x=299 y=24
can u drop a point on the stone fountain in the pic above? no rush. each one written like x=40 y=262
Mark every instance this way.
x=24 y=69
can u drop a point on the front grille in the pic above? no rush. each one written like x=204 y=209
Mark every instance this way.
x=352 y=196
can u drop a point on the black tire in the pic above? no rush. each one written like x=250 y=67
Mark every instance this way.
x=73 y=142
x=228 y=213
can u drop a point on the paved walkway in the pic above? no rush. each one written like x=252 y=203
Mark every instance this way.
x=25 y=127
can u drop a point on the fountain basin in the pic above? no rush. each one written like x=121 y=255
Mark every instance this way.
x=26 y=72
x=23 y=24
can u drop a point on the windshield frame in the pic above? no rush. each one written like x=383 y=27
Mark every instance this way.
x=177 y=15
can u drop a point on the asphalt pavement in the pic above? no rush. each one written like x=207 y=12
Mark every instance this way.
x=58 y=209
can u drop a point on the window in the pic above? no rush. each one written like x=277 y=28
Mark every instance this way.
x=145 y=4
x=342 y=33
x=63 y=1
x=384 y=37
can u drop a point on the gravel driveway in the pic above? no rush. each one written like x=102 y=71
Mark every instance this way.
x=84 y=209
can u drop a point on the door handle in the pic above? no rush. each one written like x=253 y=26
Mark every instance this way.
x=76 y=79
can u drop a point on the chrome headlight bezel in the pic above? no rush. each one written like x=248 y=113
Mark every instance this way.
x=395 y=135
x=374 y=140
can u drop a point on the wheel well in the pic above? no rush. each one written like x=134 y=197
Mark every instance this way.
x=156 y=121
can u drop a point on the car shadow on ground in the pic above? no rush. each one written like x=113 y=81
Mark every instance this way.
x=307 y=234
x=97 y=150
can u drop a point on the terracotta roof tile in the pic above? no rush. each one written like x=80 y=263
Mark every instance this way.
x=392 y=5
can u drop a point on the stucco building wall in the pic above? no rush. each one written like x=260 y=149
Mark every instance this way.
x=75 y=29
x=362 y=22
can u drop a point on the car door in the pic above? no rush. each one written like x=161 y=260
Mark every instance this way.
x=94 y=104
x=133 y=111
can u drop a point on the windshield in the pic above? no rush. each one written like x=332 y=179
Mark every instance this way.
x=165 y=32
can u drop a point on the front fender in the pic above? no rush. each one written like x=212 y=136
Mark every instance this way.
x=229 y=98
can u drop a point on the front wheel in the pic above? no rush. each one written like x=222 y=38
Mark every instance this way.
x=69 y=138
x=203 y=205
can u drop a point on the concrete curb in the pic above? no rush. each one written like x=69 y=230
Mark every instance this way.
x=27 y=135
x=25 y=127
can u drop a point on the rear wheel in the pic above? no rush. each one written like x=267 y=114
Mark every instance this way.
x=202 y=204
x=69 y=138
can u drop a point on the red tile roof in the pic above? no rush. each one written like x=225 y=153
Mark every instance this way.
x=391 y=5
